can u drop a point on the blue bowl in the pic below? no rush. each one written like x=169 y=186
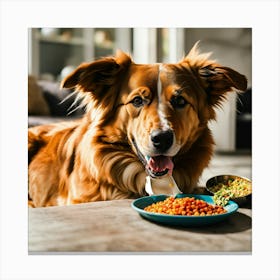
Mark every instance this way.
x=179 y=220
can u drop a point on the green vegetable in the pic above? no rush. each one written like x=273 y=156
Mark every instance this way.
x=222 y=197
x=230 y=189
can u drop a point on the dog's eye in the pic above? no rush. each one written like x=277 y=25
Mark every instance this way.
x=137 y=101
x=178 y=102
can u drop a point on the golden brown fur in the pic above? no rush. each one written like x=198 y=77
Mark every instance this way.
x=99 y=156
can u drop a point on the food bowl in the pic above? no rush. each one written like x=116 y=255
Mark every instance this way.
x=181 y=220
x=241 y=196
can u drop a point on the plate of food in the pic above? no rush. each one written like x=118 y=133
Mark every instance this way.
x=183 y=209
x=229 y=187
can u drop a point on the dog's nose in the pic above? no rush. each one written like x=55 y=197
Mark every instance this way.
x=162 y=139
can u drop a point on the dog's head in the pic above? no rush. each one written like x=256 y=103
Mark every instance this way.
x=158 y=109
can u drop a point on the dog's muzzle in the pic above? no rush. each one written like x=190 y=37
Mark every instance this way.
x=159 y=164
x=162 y=140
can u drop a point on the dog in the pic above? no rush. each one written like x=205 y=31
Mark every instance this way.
x=140 y=119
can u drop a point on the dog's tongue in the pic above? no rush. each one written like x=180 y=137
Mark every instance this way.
x=160 y=163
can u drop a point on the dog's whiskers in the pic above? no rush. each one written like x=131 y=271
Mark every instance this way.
x=74 y=103
x=239 y=100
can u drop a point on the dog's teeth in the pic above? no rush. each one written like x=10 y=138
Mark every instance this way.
x=147 y=158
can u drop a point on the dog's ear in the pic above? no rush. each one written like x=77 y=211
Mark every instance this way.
x=215 y=78
x=93 y=77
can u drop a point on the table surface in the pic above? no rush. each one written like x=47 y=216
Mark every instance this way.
x=114 y=227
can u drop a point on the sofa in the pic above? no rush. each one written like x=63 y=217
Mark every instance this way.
x=48 y=103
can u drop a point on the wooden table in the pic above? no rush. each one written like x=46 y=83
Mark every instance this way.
x=114 y=227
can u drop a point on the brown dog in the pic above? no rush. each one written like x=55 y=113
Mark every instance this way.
x=140 y=119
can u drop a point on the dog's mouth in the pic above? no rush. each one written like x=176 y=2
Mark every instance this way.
x=156 y=166
x=159 y=165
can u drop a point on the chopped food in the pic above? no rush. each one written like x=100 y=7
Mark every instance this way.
x=185 y=206
x=232 y=188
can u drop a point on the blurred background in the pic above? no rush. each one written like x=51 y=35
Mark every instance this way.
x=55 y=52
